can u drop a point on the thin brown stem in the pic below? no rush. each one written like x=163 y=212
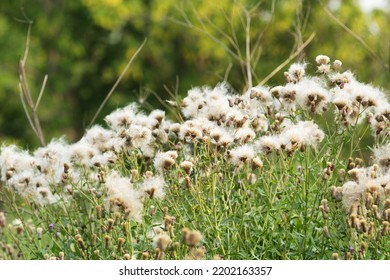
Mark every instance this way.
x=356 y=36
x=287 y=61
x=248 y=48
x=25 y=94
x=30 y=108
x=116 y=83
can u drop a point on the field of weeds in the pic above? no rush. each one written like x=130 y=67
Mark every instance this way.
x=296 y=171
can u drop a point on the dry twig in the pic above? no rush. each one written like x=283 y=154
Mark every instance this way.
x=30 y=108
x=116 y=83
x=287 y=61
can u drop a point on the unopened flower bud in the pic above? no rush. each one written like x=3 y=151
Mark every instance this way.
x=370 y=229
x=324 y=203
x=158 y=254
x=165 y=211
x=107 y=241
x=152 y=211
x=102 y=177
x=369 y=201
x=93 y=239
x=110 y=224
x=99 y=211
x=363 y=246
x=121 y=241
x=39 y=233
x=376 y=212
x=386 y=215
x=80 y=243
x=252 y=178
x=342 y=173
x=167 y=221
x=352 y=220
x=66 y=168
x=363 y=225
x=324 y=214
x=117 y=218
x=385 y=228
x=19 y=229
x=3 y=220
x=325 y=231
x=134 y=175
x=125 y=228
x=145 y=255
x=387 y=204
x=185 y=232
x=188 y=182
x=170 y=230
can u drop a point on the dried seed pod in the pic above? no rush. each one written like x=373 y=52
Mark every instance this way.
x=387 y=204
x=110 y=224
x=121 y=241
x=145 y=255
x=385 y=228
x=325 y=231
x=107 y=241
x=187 y=166
x=324 y=213
x=98 y=211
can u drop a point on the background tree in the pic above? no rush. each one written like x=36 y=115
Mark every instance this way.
x=84 y=45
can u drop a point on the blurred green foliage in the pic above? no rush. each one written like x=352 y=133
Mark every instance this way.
x=84 y=45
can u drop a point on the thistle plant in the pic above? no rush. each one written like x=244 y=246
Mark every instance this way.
x=295 y=171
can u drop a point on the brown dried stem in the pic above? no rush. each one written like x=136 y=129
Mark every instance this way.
x=29 y=106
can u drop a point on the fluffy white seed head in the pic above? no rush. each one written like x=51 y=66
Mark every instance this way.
x=122 y=197
x=164 y=160
x=122 y=118
x=154 y=187
x=322 y=59
x=242 y=155
x=297 y=71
